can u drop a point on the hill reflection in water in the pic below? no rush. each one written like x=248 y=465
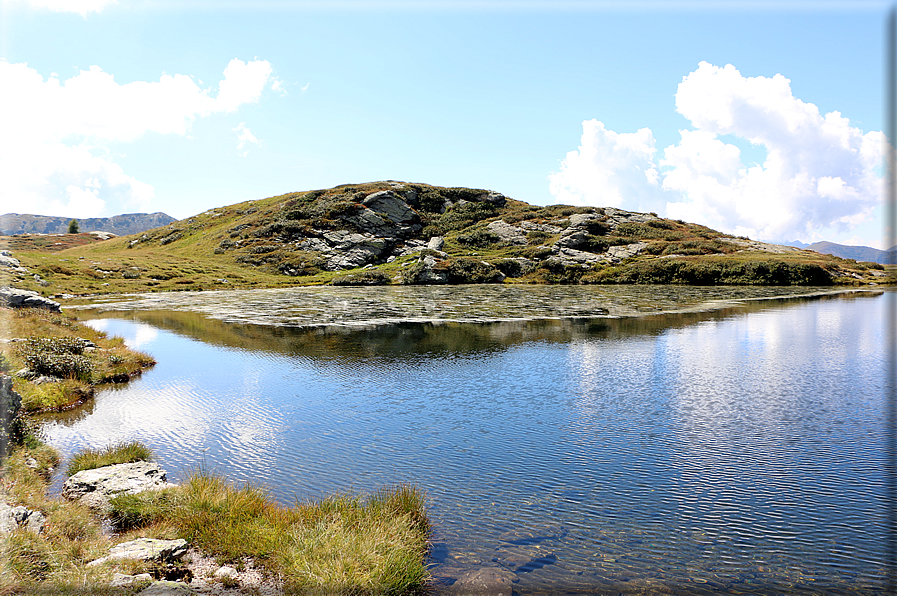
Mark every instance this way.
x=731 y=450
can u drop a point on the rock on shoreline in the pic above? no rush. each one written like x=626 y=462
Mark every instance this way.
x=15 y=298
x=95 y=487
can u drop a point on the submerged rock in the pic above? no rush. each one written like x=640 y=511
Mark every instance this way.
x=489 y=581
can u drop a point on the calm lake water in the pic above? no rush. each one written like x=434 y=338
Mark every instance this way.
x=723 y=446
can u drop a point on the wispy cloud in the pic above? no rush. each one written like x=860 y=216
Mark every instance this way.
x=244 y=136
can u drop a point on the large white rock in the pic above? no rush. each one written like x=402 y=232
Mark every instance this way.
x=145 y=549
x=95 y=487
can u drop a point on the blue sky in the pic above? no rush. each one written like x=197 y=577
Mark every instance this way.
x=148 y=105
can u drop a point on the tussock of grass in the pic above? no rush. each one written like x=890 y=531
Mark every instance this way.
x=343 y=544
x=120 y=453
x=51 y=396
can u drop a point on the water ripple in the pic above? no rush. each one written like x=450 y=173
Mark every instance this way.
x=737 y=452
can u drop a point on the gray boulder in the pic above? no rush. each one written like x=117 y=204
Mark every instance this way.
x=436 y=243
x=13 y=518
x=95 y=487
x=145 y=549
x=15 y=298
x=369 y=221
x=11 y=264
x=619 y=253
x=392 y=206
x=572 y=238
x=617 y=216
x=509 y=234
x=423 y=272
x=353 y=250
x=536 y=227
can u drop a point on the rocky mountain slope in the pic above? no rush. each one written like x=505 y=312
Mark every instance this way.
x=859 y=253
x=122 y=225
x=403 y=233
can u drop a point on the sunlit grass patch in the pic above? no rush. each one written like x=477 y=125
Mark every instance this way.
x=51 y=396
x=120 y=453
x=342 y=544
x=52 y=561
x=59 y=347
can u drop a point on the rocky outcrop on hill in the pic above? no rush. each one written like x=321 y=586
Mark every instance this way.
x=464 y=235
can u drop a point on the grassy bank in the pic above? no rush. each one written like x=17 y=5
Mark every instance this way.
x=58 y=347
x=343 y=544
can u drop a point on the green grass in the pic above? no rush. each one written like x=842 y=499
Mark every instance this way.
x=344 y=544
x=256 y=244
x=56 y=344
x=120 y=453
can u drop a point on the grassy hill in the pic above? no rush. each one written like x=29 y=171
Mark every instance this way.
x=402 y=233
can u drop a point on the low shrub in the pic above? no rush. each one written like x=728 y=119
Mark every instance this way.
x=465 y=270
x=537 y=237
x=56 y=357
x=368 y=277
x=457 y=218
x=713 y=272
x=479 y=239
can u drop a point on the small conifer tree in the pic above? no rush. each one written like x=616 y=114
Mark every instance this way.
x=73 y=227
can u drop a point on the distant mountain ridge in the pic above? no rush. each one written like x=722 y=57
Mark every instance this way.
x=123 y=225
x=857 y=253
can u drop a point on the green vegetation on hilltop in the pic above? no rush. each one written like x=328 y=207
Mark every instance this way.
x=376 y=233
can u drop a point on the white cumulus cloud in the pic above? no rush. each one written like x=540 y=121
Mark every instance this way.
x=55 y=153
x=609 y=169
x=821 y=175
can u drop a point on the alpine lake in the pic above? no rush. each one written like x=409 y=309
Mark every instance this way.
x=578 y=439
